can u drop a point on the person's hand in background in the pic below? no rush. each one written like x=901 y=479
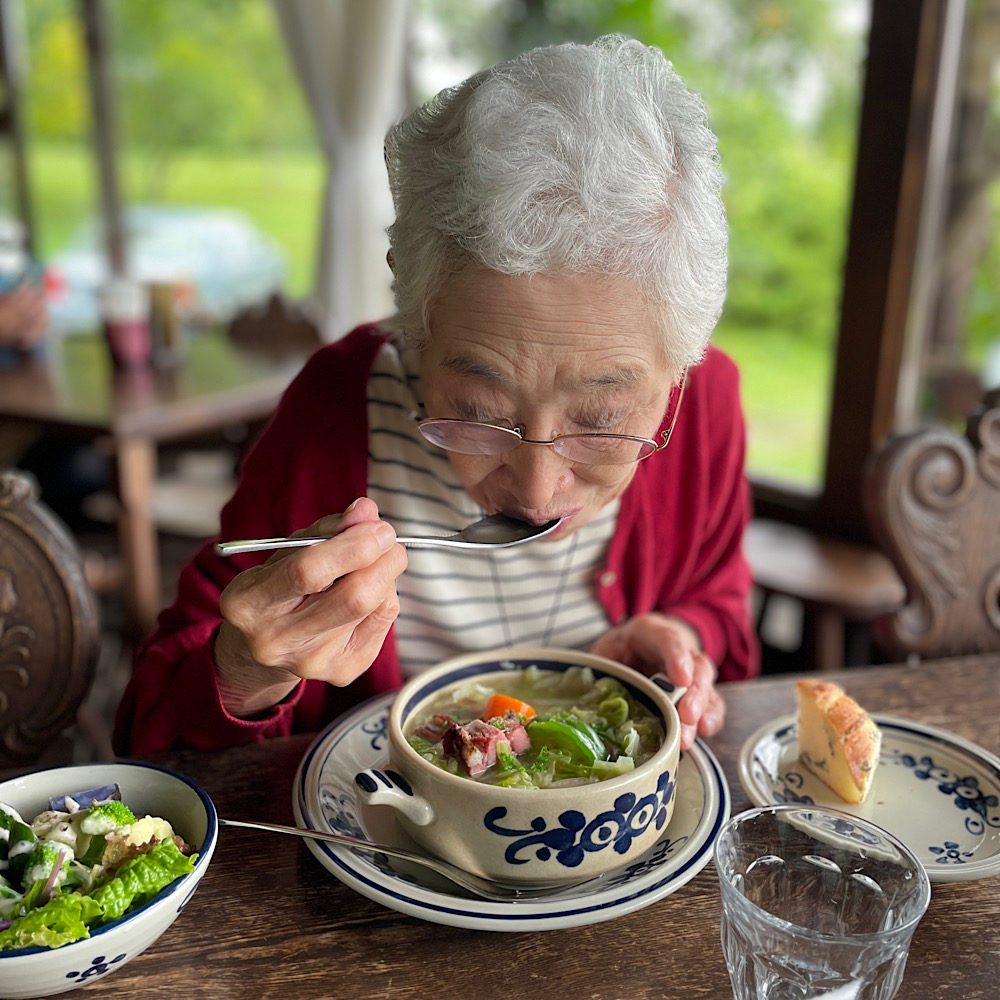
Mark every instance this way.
x=23 y=317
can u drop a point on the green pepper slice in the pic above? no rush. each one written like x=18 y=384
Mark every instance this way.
x=571 y=735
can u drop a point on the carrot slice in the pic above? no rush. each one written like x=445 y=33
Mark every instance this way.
x=499 y=704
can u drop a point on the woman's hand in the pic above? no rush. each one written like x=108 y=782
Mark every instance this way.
x=654 y=643
x=320 y=612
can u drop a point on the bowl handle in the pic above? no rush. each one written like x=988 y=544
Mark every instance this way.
x=385 y=787
x=673 y=691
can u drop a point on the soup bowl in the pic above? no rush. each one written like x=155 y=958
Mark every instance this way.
x=520 y=835
x=146 y=789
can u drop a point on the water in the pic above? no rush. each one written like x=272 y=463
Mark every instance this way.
x=815 y=904
x=769 y=961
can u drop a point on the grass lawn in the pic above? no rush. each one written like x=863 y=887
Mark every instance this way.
x=785 y=384
x=280 y=192
x=785 y=379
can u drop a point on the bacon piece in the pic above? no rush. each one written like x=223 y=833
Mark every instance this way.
x=475 y=744
x=435 y=728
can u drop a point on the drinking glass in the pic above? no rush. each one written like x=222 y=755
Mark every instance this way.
x=816 y=903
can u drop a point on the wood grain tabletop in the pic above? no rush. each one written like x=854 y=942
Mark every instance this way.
x=269 y=921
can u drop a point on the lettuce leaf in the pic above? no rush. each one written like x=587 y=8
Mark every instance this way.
x=139 y=880
x=61 y=920
x=70 y=915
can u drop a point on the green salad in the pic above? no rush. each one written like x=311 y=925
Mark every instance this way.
x=80 y=864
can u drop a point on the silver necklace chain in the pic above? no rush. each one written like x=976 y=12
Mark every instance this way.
x=557 y=601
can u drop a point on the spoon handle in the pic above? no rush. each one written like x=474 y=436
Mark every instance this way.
x=267 y=544
x=330 y=838
x=497 y=892
x=264 y=545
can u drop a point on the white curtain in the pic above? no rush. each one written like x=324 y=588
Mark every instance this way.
x=349 y=55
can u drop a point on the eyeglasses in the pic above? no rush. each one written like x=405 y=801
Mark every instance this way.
x=469 y=437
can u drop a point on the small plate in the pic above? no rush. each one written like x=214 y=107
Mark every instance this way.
x=938 y=793
x=323 y=798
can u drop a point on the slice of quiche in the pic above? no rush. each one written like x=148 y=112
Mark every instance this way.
x=838 y=741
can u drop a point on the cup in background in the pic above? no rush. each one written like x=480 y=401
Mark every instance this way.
x=816 y=903
x=124 y=305
x=167 y=330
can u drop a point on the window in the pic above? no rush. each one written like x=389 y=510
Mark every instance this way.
x=219 y=170
x=782 y=83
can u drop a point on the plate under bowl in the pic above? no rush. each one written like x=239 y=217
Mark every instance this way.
x=323 y=797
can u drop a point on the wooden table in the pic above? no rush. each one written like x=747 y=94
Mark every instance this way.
x=74 y=391
x=269 y=921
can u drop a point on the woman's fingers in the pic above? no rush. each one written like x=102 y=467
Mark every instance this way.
x=301 y=612
x=653 y=643
x=280 y=584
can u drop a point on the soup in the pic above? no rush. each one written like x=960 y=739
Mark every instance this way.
x=536 y=728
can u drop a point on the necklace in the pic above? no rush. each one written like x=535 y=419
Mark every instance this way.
x=557 y=601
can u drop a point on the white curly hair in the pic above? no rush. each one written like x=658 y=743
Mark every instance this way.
x=569 y=159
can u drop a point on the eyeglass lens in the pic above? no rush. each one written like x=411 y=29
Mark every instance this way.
x=471 y=438
x=468 y=438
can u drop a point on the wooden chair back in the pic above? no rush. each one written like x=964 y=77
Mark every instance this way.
x=933 y=503
x=278 y=328
x=49 y=625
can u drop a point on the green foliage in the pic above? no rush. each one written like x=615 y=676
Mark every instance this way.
x=982 y=313
x=205 y=74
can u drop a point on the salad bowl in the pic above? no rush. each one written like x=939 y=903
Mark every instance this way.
x=519 y=835
x=147 y=790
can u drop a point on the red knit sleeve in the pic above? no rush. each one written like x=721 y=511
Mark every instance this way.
x=716 y=598
x=310 y=461
x=678 y=546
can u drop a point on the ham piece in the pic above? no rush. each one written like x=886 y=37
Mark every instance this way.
x=475 y=743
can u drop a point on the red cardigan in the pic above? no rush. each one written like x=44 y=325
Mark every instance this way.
x=676 y=549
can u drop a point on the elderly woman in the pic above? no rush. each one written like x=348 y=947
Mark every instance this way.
x=559 y=262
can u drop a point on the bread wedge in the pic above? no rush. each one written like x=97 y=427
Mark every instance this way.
x=838 y=741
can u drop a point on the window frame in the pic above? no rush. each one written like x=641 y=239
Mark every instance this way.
x=893 y=151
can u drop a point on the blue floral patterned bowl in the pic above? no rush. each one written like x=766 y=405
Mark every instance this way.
x=521 y=835
x=147 y=790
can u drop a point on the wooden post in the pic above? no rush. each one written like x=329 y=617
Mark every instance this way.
x=10 y=123
x=102 y=104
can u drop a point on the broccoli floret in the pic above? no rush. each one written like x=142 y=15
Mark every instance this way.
x=107 y=816
x=42 y=861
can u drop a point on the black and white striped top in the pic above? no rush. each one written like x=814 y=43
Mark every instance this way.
x=452 y=603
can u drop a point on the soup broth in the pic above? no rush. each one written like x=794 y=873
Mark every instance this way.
x=536 y=728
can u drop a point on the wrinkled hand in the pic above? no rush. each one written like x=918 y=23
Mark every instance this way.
x=23 y=318
x=320 y=612
x=654 y=643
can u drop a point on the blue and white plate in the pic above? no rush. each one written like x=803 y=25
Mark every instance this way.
x=936 y=792
x=323 y=798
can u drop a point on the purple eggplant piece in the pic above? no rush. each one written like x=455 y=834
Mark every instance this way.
x=87 y=798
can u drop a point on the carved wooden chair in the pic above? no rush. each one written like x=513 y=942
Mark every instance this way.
x=49 y=626
x=933 y=503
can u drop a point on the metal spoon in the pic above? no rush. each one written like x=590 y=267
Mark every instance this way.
x=496 y=891
x=496 y=531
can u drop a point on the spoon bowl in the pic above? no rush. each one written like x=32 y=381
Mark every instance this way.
x=485 y=888
x=495 y=531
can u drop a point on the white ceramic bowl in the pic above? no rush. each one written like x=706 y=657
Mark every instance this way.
x=526 y=835
x=146 y=789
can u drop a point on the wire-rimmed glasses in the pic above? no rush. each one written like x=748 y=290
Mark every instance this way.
x=470 y=437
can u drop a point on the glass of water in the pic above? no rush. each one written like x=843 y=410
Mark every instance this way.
x=816 y=903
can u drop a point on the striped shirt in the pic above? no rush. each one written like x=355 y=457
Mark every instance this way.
x=452 y=603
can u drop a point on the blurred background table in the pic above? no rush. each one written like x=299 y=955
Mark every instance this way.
x=269 y=921
x=74 y=391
